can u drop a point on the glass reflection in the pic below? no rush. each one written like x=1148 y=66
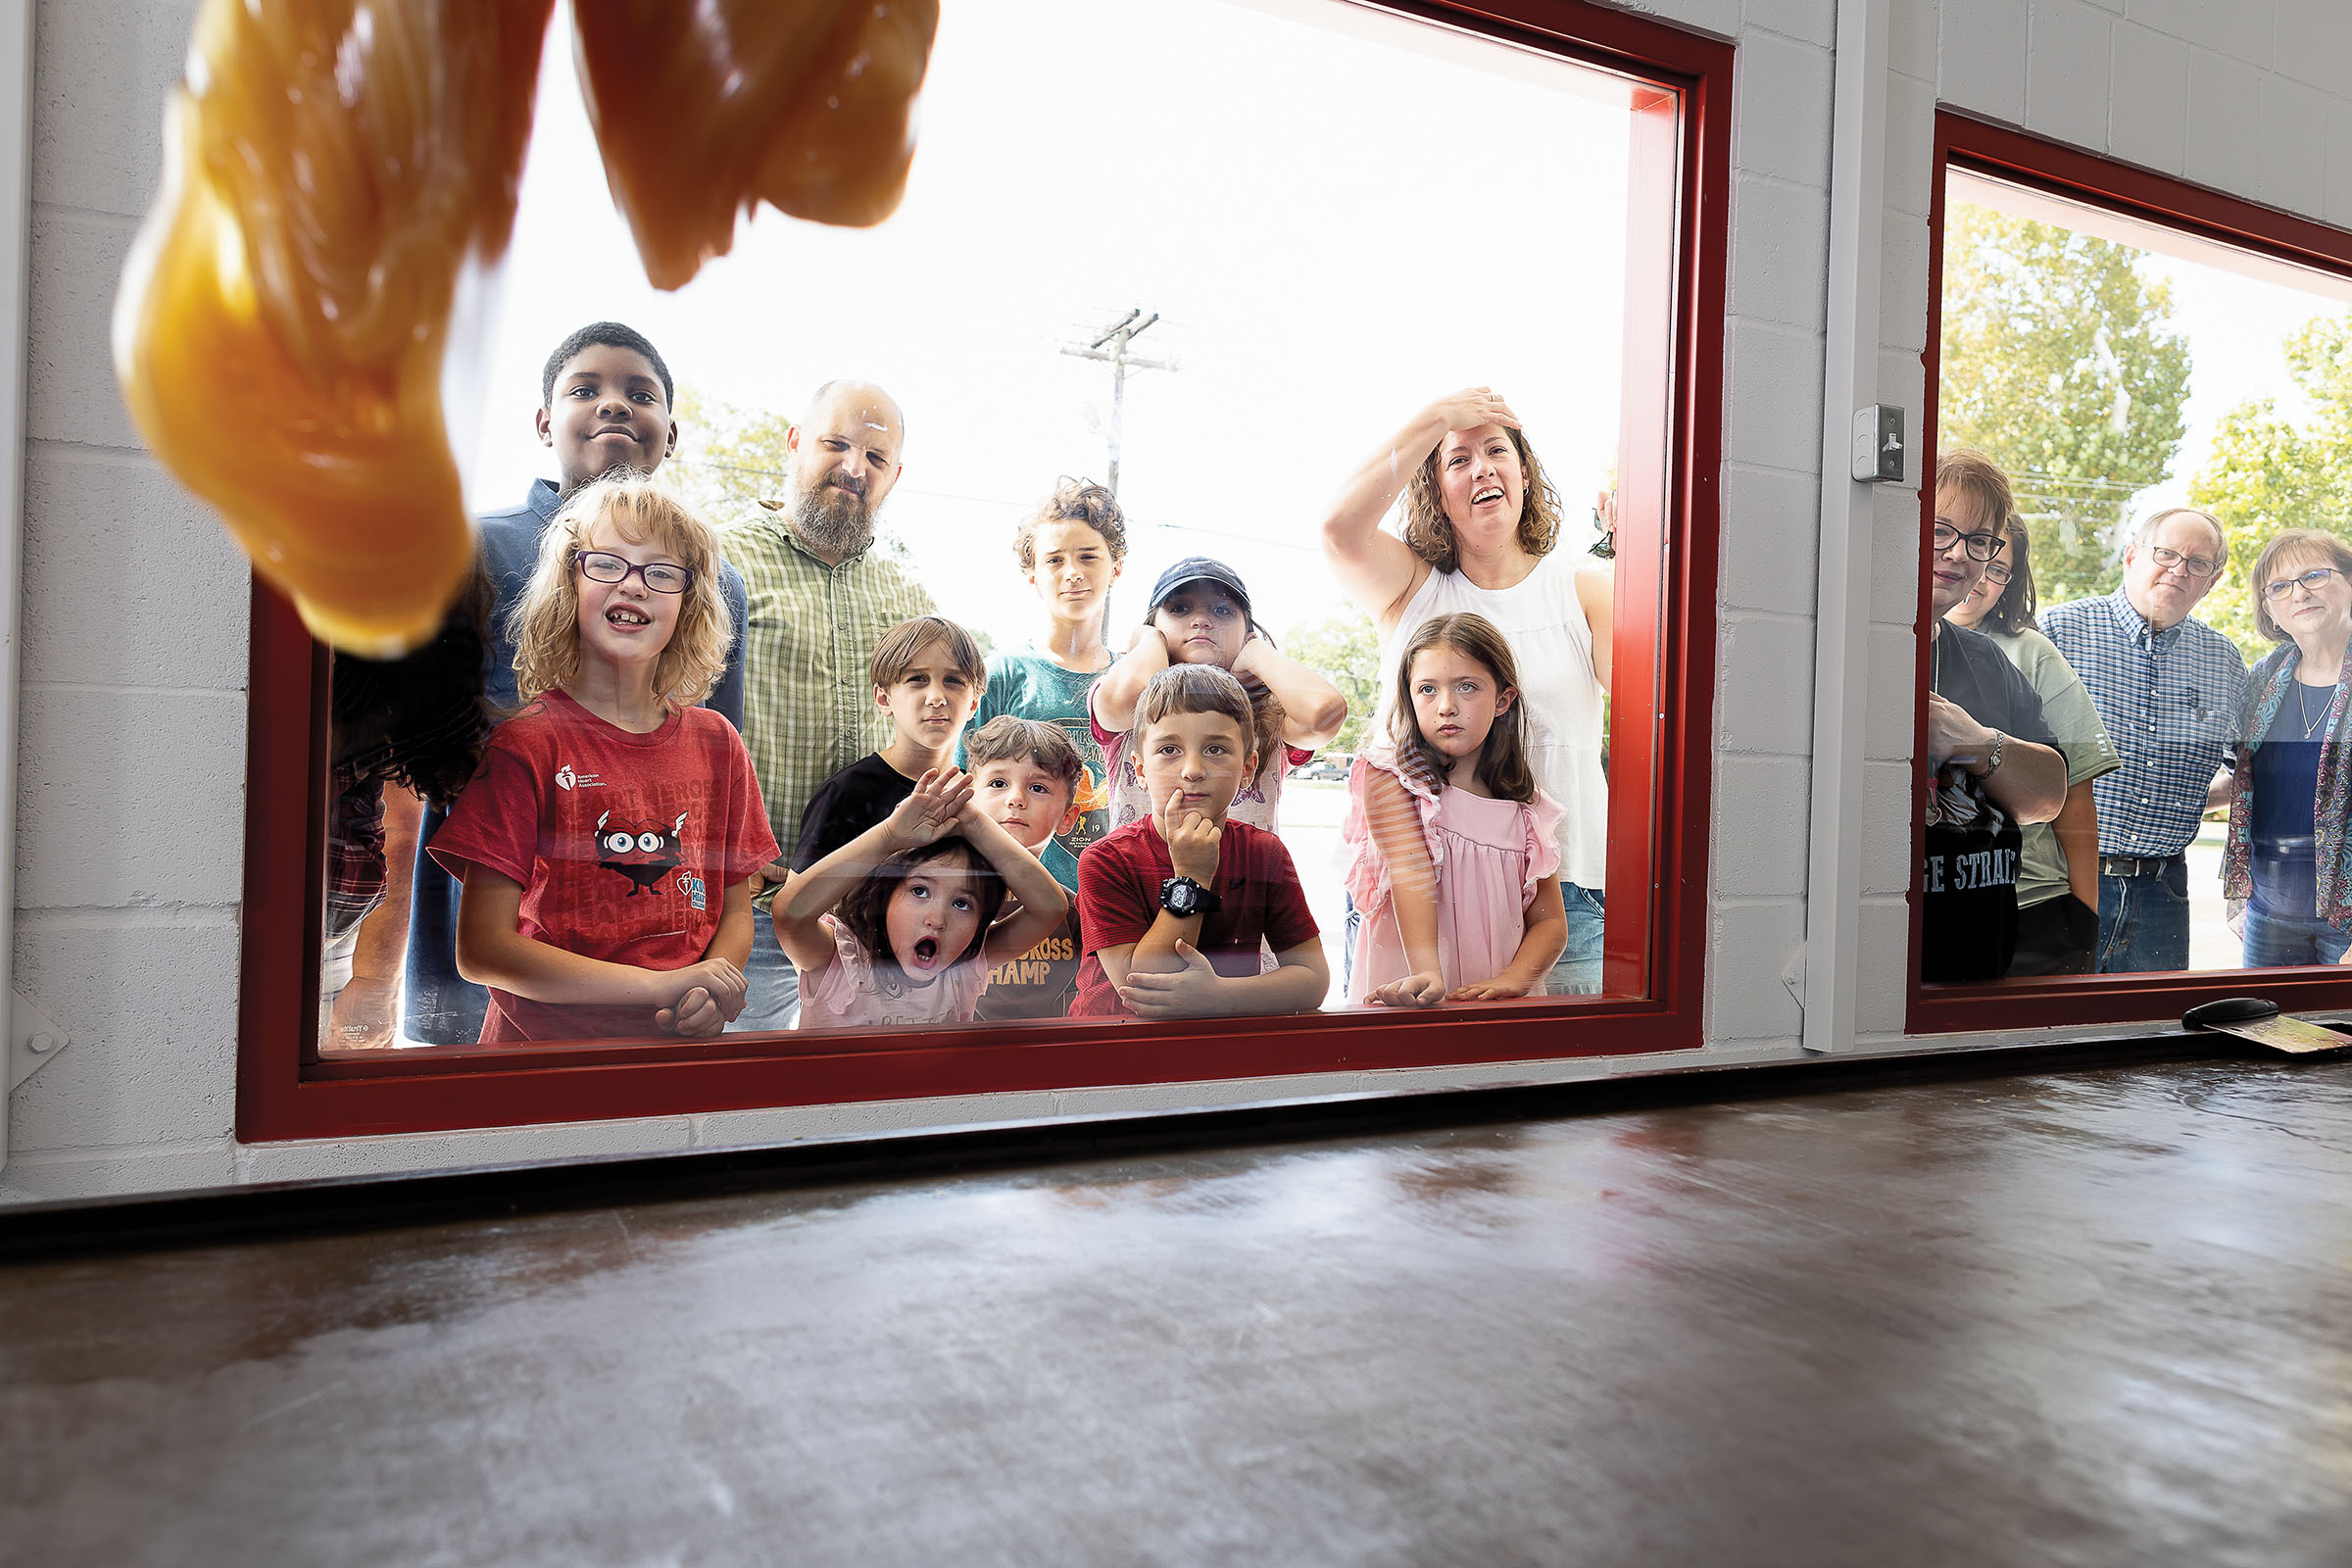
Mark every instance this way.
x=2158 y=410
x=1102 y=707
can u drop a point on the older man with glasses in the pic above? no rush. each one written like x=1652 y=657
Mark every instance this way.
x=2168 y=687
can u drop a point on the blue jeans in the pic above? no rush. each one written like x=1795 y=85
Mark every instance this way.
x=2278 y=942
x=775 y=985
x=1576 y=972
x=2143 y=921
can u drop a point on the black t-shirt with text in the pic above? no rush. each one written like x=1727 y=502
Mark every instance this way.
x=1968 y=881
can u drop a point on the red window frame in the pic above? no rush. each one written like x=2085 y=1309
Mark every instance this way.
x=2068 y=172
x=1658 y=824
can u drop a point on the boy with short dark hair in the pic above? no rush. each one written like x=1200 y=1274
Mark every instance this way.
x=605 y=403
x=1176 y=906
x=1026 y=775
x=927 y=675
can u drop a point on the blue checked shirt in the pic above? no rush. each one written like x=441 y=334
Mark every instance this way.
x=2170 y=701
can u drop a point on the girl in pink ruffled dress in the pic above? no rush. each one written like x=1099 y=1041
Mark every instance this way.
x=1454 y=852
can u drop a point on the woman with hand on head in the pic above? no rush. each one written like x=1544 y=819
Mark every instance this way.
x=1481 y=527
x=2289 y=858
x=2058 y=868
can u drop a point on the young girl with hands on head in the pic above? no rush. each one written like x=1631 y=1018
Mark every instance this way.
x=1456 y=857
x=1199 y=614
x=898 y=926
x=608 y=844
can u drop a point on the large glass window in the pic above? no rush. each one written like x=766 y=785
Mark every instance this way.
x=2137 y=523
x=1079 y=520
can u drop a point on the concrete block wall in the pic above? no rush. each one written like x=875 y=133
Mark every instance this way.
x=134 y=612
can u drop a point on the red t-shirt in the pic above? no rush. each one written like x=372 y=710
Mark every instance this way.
x=625 y=846
x=1118 y=899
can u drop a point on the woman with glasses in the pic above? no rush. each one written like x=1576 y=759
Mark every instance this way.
x=1996 y=764
x=2288 y=858
x=2058 y=869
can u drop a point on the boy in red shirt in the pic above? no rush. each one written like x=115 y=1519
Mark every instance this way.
x=1174 y=905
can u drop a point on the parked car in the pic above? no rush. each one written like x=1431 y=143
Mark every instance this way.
x=1330 y=765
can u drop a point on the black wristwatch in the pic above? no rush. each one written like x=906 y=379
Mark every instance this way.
x=1184 y=898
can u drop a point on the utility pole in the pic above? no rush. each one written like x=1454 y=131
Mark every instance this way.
x=1110 y=347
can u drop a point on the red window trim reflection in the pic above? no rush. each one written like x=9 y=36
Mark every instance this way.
x=2027 y=160
x=1658 y=819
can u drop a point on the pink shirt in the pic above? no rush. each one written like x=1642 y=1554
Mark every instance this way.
x=847 y=994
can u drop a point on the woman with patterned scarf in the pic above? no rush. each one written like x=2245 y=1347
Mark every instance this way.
x=2289 y=858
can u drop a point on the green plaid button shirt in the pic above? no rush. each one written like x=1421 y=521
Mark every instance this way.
x=807 y=708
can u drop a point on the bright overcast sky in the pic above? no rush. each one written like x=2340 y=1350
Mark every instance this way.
x=1335 y=225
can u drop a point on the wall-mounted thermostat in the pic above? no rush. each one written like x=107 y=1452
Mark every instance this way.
x=1879 y=444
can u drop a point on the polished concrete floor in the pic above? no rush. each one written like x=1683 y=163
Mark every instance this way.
x=2098 y=1318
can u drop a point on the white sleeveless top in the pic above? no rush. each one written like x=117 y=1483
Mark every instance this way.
x=1541 y=619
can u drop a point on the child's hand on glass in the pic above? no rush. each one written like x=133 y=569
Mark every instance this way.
x=1192 y=837
x=705 y=998
x=1499 y=988
x=1424 y=990
x=933 y=810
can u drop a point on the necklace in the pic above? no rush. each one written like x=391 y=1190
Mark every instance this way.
x=2303 y=712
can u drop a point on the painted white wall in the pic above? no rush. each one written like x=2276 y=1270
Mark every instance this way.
x=135 y=608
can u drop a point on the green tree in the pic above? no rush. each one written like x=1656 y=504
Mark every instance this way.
x=2058 y=364
x=2265 y=473
x=1345 y=650
x=729 y=458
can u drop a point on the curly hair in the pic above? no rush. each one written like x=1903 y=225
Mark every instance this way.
x=1074 y=500
x=1503 y=765
x=545 y=624
x=865 y=910
x=1429 y=532
x=419 y=720
x=2306 y=541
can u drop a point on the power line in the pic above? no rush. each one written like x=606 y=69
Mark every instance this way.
x=1109 y=346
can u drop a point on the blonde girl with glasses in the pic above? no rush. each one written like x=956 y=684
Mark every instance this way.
x=2288 y=858
x=2058 y=864
x=606 y=846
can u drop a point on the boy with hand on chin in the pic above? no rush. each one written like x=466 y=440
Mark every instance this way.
x=1174 y=907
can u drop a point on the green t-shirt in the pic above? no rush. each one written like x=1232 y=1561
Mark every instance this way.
x=2073 y=718
x=1028 y=685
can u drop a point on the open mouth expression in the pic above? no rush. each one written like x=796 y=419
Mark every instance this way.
x=930 y=919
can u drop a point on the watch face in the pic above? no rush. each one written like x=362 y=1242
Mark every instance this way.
x=1180 y=897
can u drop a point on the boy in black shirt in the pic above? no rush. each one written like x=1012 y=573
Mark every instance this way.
x=928 y=676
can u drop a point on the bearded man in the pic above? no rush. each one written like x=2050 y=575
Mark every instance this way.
x=821 y=599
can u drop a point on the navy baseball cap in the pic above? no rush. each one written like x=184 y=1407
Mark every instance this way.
x=1199 y=568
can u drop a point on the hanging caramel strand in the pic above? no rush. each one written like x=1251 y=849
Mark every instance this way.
x=703 y=110
x=329 y=168
x=332 y=170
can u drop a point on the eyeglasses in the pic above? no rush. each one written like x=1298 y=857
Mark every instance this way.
x=1997 y=572
x=2315 y=579
x=1981 y=546
x=599 y=566
x=2195 y=565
